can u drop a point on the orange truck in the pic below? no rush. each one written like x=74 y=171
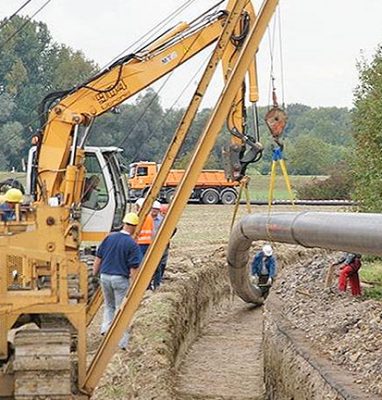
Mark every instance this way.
x=212 y=186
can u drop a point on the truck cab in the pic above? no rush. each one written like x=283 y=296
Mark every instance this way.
x=141 y=176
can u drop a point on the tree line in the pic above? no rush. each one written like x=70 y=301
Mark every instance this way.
x=32 y=65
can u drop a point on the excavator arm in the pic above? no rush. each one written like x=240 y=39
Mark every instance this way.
x=57 y=174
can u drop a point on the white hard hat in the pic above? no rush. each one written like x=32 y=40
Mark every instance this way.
x=267 y=250
x=140 y=202
x=156 y=205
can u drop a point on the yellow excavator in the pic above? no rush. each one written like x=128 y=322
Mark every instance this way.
x=42 y=276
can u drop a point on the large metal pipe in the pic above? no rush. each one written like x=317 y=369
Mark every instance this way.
x=351 y=232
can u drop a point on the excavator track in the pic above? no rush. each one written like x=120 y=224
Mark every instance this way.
x=43 y=366
x=93 y=282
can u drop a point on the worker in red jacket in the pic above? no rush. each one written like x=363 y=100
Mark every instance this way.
x=349 y=271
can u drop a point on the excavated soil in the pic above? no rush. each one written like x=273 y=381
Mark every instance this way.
x=345 y=330
x=225 y=362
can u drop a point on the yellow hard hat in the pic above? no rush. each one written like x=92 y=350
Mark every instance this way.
x=131 y=219
x=14 y=196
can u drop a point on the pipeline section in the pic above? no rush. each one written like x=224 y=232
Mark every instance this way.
x=351 y=232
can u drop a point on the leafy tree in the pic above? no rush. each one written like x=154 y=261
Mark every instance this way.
x=11 y=135
x=367 y=121
x=309 y=155
x=338 y=185
x=31 y=66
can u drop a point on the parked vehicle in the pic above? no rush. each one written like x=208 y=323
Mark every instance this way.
x=212 y=186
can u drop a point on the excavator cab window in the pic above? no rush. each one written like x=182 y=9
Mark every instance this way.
x=114 y=166
x=95 y=194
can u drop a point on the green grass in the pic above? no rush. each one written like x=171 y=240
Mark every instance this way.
x=371 y=271
x=16 y=175
x=259 y=186
x=20 y=176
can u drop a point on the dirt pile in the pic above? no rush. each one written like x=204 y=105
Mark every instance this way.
x=345 y=329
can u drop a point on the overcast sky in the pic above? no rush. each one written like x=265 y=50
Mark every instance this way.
x=321 y=41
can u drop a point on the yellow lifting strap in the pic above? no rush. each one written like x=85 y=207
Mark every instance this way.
x=277 y=157
x=243 y=188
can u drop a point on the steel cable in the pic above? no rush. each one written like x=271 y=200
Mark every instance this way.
x=24 y=24
x=7 y=20
x=38 y=117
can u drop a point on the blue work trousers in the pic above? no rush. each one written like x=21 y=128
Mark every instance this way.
x=114 y=289
x=158 y=275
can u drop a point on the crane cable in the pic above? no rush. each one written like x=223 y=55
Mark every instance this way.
x=160 y=123
x=151 y=34
x=148 y=106
x=244 y=182
x=17 y=31
x=7 y=20
x=276 y=122
x=185 y=5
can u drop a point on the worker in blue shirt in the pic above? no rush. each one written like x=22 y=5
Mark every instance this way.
x=264 y=266
x=118 y=258
x=7 y=209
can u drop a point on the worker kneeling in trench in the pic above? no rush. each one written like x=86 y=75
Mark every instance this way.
x=263 y=269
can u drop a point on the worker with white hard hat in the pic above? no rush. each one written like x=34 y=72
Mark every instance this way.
x=157 y=216
x=157 y=219
x=117 y=260
x=264 y=267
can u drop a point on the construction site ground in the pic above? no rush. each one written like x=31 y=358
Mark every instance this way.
x=224 y=360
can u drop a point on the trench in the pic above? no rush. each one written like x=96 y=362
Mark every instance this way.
x=192 y=339
x=226 y=361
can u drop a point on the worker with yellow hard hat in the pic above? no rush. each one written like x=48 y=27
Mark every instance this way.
x=117 y=260
x=7 y=208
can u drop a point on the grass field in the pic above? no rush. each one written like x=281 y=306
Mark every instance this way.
x=16 y=175
x=258 y=186
x=371 y=273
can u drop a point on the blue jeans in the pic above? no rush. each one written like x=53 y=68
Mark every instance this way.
x=114 y=289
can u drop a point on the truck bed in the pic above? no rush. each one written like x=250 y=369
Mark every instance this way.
x=207 y=178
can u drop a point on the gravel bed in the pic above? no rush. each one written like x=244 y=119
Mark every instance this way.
x=345 y=329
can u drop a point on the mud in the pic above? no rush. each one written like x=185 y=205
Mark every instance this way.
x=226 y=361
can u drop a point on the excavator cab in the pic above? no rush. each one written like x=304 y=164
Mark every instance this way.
x=104 y=197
